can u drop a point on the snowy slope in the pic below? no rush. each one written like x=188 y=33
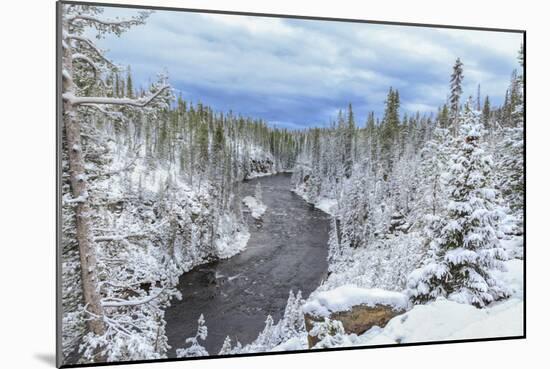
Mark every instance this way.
x=448 y=320
x=440 y=320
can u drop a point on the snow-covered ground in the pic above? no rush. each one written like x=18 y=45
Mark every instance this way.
x=257 y=208
x=448 y=320
x=443 y=320
x=362 y=276
x=325 y=204
x=343 y=298
x=258 y=175
x=440 y=320
x=230 y=242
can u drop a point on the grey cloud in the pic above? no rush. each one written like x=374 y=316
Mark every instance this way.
x=299 y=72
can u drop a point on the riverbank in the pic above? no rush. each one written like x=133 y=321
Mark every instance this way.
x=288 y=252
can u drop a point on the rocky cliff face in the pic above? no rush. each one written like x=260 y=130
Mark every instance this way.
x=258 y=167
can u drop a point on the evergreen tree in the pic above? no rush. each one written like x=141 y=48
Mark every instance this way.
x=371 y=139
x=196 y=349
x=434 y=159
x=465 y=245
x=203 y=157
x=339 y=253
x=478 y=98
x=486 y=114
x=129 y=84
x=443 y=117
x=521 y=55
x=330 y=333
x=356 y=213
x=390 y=128
x=292 y=323
x=456 y=91
x=265 y=338
x=226 y=347
x=218 y=157
x=516 y=100
x=510 y=172
x=349 y=134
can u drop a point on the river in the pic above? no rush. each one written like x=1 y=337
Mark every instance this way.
x=287 y=252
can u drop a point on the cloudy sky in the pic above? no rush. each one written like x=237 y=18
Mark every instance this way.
x=296 y=73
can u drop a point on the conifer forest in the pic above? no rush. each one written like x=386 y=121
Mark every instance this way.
x=191 y=227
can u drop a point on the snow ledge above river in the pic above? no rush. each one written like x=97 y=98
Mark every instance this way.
x=256 y=207
x=345 y=297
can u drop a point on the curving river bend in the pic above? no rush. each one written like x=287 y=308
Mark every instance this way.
x=288 y=252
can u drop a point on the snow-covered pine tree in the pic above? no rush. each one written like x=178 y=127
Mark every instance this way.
x=339 y=253
x=202 y=149
x=356 y=212
x=292 y=323
x=510 y=150
x=330 y=333
x=465 y=246
x=486 y=115
x=434 y=159
x=196 y=349
x=510 y=177
x=443 y=117
x=226 y=347
x=266 y=337
x=456 y=91
x=347 y=140
x=478 y=97
x=389 y=131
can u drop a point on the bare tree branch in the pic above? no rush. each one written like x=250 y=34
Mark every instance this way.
x=119 y=302
x=92 y=100
x=118 y=285
x=118 y=237
x=104 y=22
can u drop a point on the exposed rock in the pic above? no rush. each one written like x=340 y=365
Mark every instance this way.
x=358 y=320
x=261 y=166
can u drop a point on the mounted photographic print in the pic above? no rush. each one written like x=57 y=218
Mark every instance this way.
x=239 y=184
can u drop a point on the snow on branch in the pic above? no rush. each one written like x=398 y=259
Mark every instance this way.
x=88 y=61
x=120 y=285
x=67 y=199
x=115 y=302
x=118 y=237
x=112 y=114
x=92 y=47
x=96 y=100
x=107 y=23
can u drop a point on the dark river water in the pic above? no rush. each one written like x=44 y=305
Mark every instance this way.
x=288 y=252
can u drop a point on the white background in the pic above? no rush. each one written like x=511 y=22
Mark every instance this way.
x=27 y=182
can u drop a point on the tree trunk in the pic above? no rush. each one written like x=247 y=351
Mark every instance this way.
x=79 y=188
x=338 y=231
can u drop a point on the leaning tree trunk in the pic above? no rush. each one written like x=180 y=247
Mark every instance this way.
x=79 y=189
